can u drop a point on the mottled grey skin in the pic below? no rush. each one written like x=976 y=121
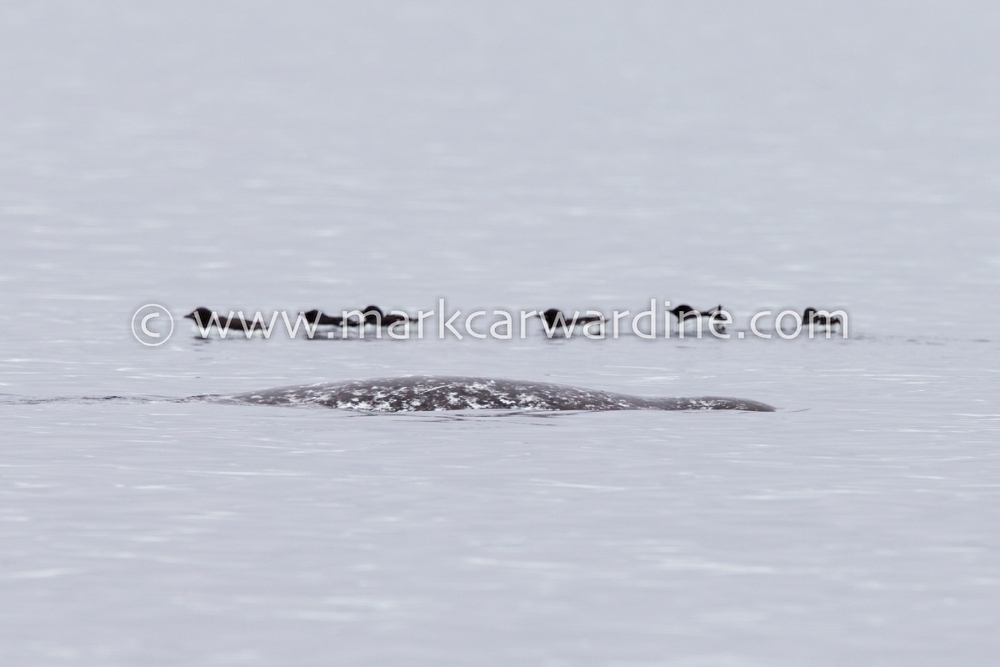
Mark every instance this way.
x=420 y=394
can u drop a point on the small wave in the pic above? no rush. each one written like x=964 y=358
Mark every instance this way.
x=8 y=399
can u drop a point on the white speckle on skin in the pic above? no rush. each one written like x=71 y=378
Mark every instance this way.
x=413 y=394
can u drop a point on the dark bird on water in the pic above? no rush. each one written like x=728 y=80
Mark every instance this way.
x=815 y=318
x=553 y=316
x=687 y=316
x=318 y=317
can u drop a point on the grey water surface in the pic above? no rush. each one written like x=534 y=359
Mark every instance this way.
x=302 y=155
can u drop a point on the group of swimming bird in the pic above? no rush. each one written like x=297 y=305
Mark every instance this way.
x=687 y=315
x=371 y=315
x=714 y=319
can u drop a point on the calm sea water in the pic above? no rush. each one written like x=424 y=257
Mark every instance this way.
x=291 y=156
